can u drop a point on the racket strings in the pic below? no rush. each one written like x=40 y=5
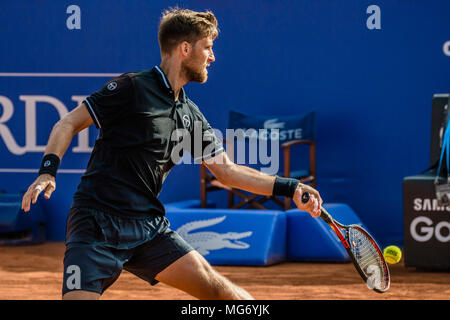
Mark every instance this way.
x=368 y=258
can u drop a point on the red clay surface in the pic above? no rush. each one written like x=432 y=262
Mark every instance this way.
x=35 y=272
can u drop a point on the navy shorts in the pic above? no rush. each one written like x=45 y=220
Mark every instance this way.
x=100 y=245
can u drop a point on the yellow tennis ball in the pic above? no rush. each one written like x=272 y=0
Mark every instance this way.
x=392 y=254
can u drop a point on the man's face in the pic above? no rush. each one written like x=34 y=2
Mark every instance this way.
x=201 y=56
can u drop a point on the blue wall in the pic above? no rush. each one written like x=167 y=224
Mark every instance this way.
x=371 y=89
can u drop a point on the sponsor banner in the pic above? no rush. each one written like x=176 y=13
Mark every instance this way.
x=29 y=108
x=30 y=105
x=426 y=224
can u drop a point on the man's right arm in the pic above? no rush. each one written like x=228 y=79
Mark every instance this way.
x=58 y=142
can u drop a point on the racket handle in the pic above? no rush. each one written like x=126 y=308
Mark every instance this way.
x=324 y=214
x=305 y=197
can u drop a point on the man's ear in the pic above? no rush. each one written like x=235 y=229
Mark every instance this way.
x=185 y=48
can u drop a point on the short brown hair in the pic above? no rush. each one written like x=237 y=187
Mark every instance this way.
x=178 y=25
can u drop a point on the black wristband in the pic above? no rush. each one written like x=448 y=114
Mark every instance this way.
x=285 y=186
x=50 y=163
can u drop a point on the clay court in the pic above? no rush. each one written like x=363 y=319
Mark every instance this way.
x=35 y=272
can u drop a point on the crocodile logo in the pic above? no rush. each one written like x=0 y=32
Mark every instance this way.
x=273 y=124
x=205 y=241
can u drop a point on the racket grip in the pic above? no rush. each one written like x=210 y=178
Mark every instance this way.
x=305 y=197
x=323 y=214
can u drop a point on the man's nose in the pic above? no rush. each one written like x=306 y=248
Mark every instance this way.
x=211 y=57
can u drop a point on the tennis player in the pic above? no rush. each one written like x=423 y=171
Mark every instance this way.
x=116 y=221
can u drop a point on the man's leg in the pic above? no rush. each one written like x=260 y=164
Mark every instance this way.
x=194 y=275
x=170 y=259
x=89 y=270
x=81 y=295
x=89 y=266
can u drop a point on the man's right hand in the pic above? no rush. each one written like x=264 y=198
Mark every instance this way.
x=60 y=137
x=43 y=182
x=315 y=201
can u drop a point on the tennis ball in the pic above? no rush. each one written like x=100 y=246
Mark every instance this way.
x=392 y=254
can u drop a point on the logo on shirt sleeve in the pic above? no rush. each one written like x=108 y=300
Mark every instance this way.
x=112 y=85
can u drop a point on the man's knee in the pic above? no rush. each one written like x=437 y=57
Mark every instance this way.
x=223 y=288
x=214 y=282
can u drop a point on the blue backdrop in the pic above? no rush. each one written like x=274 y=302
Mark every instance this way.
x=371 y=88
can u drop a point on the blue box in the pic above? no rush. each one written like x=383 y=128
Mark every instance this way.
x=233 y=237
x=18 y=227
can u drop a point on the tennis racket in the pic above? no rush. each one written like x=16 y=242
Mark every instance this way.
x=363 y=251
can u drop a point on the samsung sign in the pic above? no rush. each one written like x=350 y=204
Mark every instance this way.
x=422 y=229
x=427 y=204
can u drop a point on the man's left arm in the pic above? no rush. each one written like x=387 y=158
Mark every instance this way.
x=254 y=181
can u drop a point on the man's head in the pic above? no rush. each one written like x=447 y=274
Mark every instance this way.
x=189 y=35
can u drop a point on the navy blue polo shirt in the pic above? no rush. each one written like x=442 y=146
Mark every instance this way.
x=143 y=131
